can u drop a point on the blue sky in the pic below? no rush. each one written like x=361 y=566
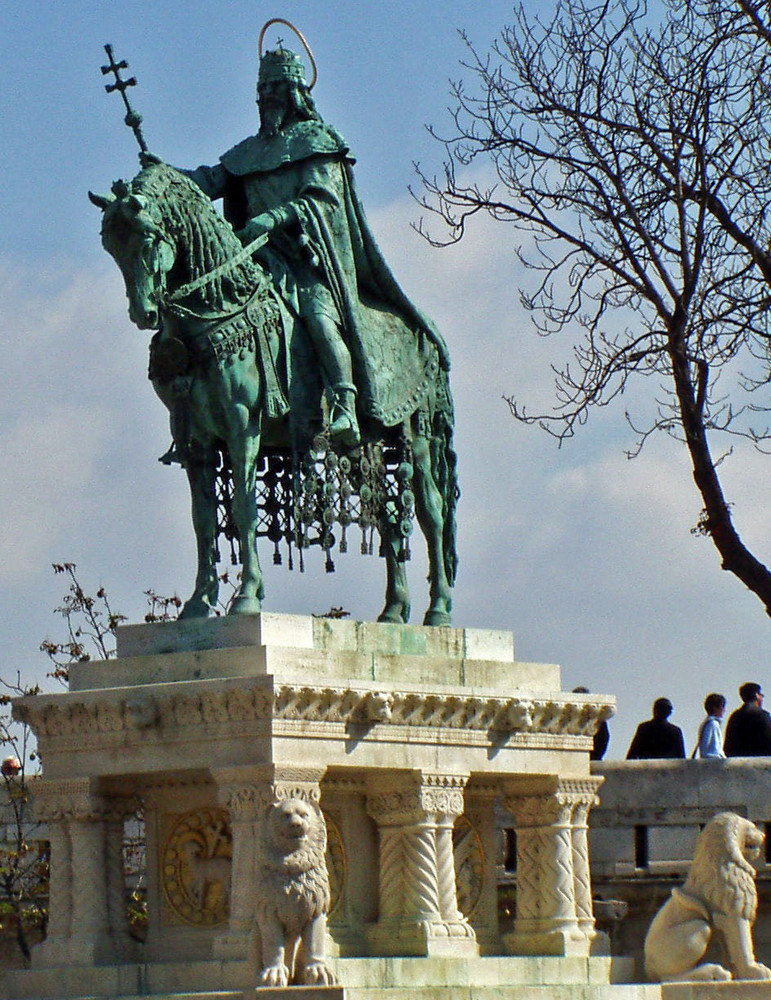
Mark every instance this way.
x=585 y=556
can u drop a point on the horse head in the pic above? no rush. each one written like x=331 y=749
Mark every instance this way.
x=135 y=235
x=162 y=222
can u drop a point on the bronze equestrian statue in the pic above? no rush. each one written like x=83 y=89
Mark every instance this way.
x=305 y=390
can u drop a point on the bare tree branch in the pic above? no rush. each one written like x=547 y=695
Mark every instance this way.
x=633 y=153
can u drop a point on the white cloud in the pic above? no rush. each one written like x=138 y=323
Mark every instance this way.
x=52 y=457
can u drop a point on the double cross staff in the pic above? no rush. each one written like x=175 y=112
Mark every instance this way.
x=133 y=119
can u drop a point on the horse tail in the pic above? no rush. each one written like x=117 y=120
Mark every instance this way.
x=444 y=469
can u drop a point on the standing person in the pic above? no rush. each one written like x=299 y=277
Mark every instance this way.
x=601 y=733
x=710 y=741
x=658 y=738
x=748 y=733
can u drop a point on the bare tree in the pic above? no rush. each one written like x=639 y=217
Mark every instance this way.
x=632 y=151
x=23 y=865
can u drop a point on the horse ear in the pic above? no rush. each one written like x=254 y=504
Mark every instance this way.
x=101 y=200
x=136 y=203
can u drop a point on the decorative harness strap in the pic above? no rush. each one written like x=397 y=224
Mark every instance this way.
x=204 y=279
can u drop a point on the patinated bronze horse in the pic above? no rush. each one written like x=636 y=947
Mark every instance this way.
x=232 y=364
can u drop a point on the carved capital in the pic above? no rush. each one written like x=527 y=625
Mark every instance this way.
x=551 y=800
x=78 y=799
x=414 y=798
x=247 y=792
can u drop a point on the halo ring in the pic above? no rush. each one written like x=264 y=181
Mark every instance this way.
x=300 y=35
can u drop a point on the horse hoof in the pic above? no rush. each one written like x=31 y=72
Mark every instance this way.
x=245 y=606
x=438 y=618
x=196 y=607
x=395 y=614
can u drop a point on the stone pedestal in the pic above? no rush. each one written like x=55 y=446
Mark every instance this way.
x=406 y=737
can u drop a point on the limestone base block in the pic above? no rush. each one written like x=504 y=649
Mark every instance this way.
x=401 y=739
x=434 y=978
x=546 y=942
x=432 y=939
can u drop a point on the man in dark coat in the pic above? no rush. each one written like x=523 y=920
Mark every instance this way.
x=748 y=733
x=657 y=738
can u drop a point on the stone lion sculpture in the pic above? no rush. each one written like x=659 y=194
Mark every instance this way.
x=293 y=896
x=720 y=896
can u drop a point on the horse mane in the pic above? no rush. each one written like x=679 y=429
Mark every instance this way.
x=204 y=237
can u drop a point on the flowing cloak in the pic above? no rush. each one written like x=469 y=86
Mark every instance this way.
x=395 y=349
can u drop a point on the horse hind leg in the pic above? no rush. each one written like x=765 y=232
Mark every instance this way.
x=201 y=473
x=243 y=458
x=397 y=597
x=429 y=508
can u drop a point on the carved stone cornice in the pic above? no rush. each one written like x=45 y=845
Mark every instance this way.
x=215 y=707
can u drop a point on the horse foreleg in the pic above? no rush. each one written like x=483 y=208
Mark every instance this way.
x=201 y=474
x=243 y=459
x=397 y=597
x=429 y=511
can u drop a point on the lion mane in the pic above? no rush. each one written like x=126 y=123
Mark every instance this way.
x=293 y=895
x=719 y=895
x=720 y=875
x=293 y=879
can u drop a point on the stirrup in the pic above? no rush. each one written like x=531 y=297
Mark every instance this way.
x=344 y=428
x=343 y=425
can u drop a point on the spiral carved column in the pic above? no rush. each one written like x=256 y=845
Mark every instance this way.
x=554 y=907
x=418 y=914
x=585 y=795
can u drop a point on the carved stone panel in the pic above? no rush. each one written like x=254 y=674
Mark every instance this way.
x=195 y=867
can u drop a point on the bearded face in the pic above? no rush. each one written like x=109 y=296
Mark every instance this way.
x=281 y=103
x=274 y=103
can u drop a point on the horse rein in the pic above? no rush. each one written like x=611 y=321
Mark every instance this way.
x=184 y=290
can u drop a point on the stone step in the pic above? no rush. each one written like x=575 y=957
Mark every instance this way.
x=306 y=632
x=546 y=991
x=286 y=662
x=435 y=978
x=569 y=991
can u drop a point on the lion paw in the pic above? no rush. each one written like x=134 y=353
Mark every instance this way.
x=274 y=975
x=709 y=972
x=317 y=974
x=755 y=970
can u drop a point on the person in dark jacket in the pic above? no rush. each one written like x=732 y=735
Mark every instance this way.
x=657 y=738
x=748 y=733
x=601 y=733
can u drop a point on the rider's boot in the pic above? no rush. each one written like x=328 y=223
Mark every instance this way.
x=343 y=425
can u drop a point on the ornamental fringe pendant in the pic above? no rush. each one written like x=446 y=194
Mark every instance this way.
x=303 y=503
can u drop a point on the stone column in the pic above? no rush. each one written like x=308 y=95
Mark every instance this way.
x=554 y=908
x=418 y=913
x=476 y=849
x=87 y=923
x=55 y=949
x=247 y=792
x=585 y=794
x=117 y=890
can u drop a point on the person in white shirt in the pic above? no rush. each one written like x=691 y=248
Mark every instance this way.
x=710 y=731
